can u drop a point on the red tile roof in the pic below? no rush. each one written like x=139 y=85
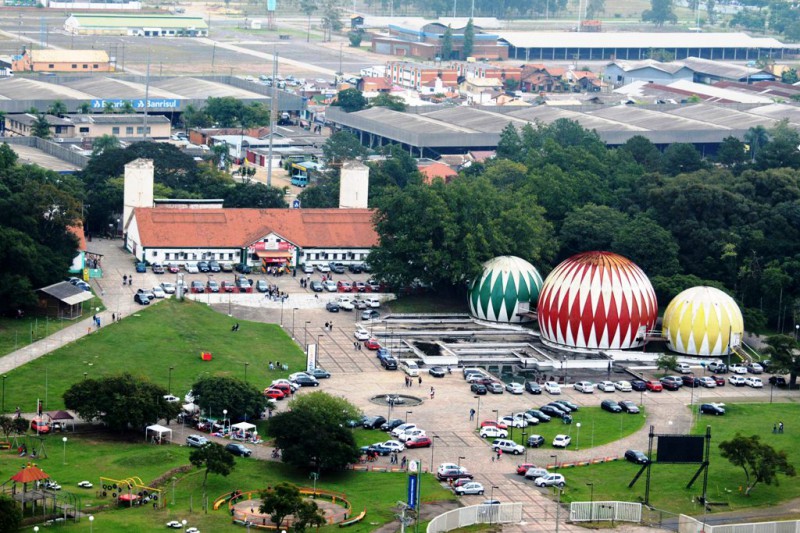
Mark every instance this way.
x=161 y=227
x=437 y=170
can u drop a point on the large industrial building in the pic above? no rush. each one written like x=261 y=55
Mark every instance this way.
x=136 y=25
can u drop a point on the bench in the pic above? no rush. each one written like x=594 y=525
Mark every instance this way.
x=354 y=520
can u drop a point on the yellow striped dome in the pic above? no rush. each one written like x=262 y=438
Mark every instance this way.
x=701 y=320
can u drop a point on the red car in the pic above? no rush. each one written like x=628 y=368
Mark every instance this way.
x=372 y=344
x=274 y=393
x=40 y=426
x=344 y=286
x=284 y=388
x=173 y=268
x=654 y=386
x=493 y=423
x=523 y=468
x=719 y=381
x=228 y=286
x=419 y=442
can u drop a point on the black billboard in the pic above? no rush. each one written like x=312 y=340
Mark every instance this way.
x=680 y=448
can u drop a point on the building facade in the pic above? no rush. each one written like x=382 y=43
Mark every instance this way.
x=136 y=25
x=62 y=61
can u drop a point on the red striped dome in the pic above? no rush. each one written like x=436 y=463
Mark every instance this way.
x=597 y=300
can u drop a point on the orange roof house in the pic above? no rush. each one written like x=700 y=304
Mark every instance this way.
x=437 y=170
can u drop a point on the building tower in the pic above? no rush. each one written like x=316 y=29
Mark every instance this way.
x=138 y=188
x=354 y=185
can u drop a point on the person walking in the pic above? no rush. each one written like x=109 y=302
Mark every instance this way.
x=471 y=414
x=780 y=427
x=124 y=280
x=420 y=381
x=433 y=392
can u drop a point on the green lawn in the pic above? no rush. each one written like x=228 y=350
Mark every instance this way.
x=668 y=482
x=92 y=457
x=169 y=334
x=16 y=334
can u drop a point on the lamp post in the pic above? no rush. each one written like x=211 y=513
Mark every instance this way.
x=91 y=523
x=578 y=437
x=245 y=371
x=433 y=442
x=224 y=419
x=591 y=501
x=281 y=312
x=305 y=333
x=496 y=415
x=85 y=374
x=183 y=523
x=64 y=440
x=555 y=458
x=478 y=415
x=169 y=381
x=408 y=413
x=293 y=311
x=319 y=347
x=525 y=444
x=796 y=329
x=459 y=460
x=558 y=509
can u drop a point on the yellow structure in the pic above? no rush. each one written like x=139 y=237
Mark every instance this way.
x=703 y=321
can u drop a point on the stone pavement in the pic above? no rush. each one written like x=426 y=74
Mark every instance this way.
x=358 y=377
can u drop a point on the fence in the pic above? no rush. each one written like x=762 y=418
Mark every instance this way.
x=503 y=513
x=605 y=511
x=687 y=524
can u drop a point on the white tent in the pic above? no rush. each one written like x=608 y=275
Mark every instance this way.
x=158 y=434
x=244 y=426
x=191 y=408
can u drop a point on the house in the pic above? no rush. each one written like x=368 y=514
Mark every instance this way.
x=583 y=81
x=619 y=73
x=707 y=71
x=129 y=125
x=62 y=300
x=479 y=91
x=480 y=69
x=436 y=170
x=258 y=237
x=356 y=22
x=201 y=136
x=374 y=85
x=21 y=125
x=542 y=78
x=63 y=61
x=416 y=75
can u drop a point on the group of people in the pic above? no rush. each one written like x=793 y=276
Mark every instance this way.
x=410 y=381
x=127 y=280
x=277 y=365
x=275 y=294
x=329 y=326
x=777 y=428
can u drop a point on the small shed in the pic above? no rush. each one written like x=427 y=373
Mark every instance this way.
x=63 y=300
x=158 y=434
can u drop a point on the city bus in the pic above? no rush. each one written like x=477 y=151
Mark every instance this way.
x=301 y=173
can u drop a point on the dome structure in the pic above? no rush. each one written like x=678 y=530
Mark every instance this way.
x=507 y=286
x=701 y=321
x=597 y=300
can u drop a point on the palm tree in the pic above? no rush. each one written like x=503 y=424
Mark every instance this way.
x=40 y=127
x=108 y=107
x=84 y=108
x=756 y=137
x=57 y=108
x=104 y=143
x=127 y=107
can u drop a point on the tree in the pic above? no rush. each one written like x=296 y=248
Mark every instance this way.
x=41 y=127
x=313 y=433
x=784 y=358
x=103 y=143
x=331 y=17
x=590 y=227
x=680 y=158
x=127 y=108
x=6 y=425
x=660 y=12
x=242 y=400
x=109 y=108
x=255 y=195
x=395 y=103
x=342 y=146
x=57 y=108
x=649 y=245
x=510 y=145
x=123 y=402
x=10 y=515
x=594 y=8
x=761 y=462
x=355 y=38
x=731 y=152
x=790 y=76
x=667 y=362
x=447 y=44
x=644 y=152
x=782 y=148
x=8 y=157
x=284 y=500
x=711 y=11
x=469 y=39
x=350 y=100
x=756 y=137
x=84 y=108
x=215 y=459
x=308 y=7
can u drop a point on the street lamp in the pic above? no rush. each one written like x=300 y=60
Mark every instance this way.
x=305 y=333
x=478 y=416
x=591 y=502
x=433 y=442
x=408 y=413
x=224 y=419
x=183 y=523
x=319 y=347
x=64 y=440
x=459 y=460
x=293 y=311
x=525 y=444
x=578 y=437
x=91 y=523
x=169 y=382
x=555 y=458
x=85 y=374
x=245 y=371
x=496 y=415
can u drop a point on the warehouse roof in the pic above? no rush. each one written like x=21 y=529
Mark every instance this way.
x=530 y=39
x=720 y=69
x=628 y=66
x=68 y=56
x=127 y=21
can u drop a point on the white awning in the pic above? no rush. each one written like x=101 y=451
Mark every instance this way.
x=243 y=426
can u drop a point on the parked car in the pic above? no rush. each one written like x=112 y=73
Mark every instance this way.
x=333 y=307
x=606 y=386
x=708 y=382
x=262 y=285
x=141 y=267
x=736 y=380
x=514 y=422
x=508 y=446
x=683 y=368
x=477 y=388
x=202 y=266
x=535 y=441
x=213 y=286
x=671 y=382
x=473 y=487
x=755 y=368
x=196 y=441
x=629 y=407
x=542 y=417
x=402 y=428
x=533 y=387
x=391 y=424
x=308 y=268
x=319 y=373
x=361 y=334
x=158 y=268
x=373 y=301
x=228 y=286
x=437 y=371
x=623 y=386
x=521 y=469
x=551 y=387
x=40 y=425
x=493 y=423
x=373 y=422
x=536 y=472
x=226 y=267
x=421 y=441
x=304 y=380
x=329 y=285
x=168 y=288
x=570 y=406
x=238 y=449
x=316 y=286
x=344 y=286
x=493 y=432
x=274 y=393
x=611 y=406
x=719 y=380
x=718 y=367
x=214 y=266
x=410 y=368
x=355 y=268
x=323 y=268
x=654 y=386
x=639 y=385
x=141 y=299
x=712 y=409
x=754 y=382
x=561 y=441
x=494 y=387
x=197 y=286
x=243 y=268
x=691 y=381
x=587 y=387
x=552 y=411
x=388 y=362
x=370 y=314
x=738 y=369
x=345 y=303
x=778 y=381
x=515 y=388
x=550 y=480
x=637 y=457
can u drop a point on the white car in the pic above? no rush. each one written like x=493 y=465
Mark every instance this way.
x=168 y=288
x=515 y=388
x=171 y=399
x=623 y=386
x=372 y=302
x=394 y=445
x=189 y=398
x=329 y=286
x=85 y=484
x=409 y=434
x=473 y=487
x=756 y=383
x=493 y=432
x=308 y=269
x=606 y=386
x=738 y=369
x=191 y=268
x=345 y=303
x=586 y=387
x=292 y=384
x=402 y=428
x=561 y=441
x=361 y=334
x=511 y=421
x=550 y=480
x=323 y=268
x=736 y=380
x=174 y=524
x=708 y=382
x=551 y=387
x=192 y=530
x=536 y=472
x=158 y=292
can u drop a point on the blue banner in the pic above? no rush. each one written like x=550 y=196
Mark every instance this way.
x=411 y=498
x=138 y=104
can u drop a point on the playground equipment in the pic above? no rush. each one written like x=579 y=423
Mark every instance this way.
x=130 y=491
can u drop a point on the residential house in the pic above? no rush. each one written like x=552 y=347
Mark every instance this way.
x=415 y=75
x=62 y=61
x=543 y=78
x=479 y=91
x=481 y=69
x=581 y=81
x=619 y=73
x=21 y=125
x=434 y=170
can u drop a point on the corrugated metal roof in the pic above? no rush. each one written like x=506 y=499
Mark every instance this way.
x=530 y=39
x=138 y=21
x=719 y=92
x=720 y=69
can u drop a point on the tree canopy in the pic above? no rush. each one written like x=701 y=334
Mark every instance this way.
x=214 y=458
x=285 y=499
x=350 y=100
x=760 y=462
x=216 y=393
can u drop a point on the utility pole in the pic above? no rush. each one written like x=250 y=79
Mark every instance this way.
x=146 y=97
x=273 y=115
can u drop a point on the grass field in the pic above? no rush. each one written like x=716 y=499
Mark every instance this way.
x=170 y=334
x=668 y=483
x=16 y=334
x=88 y=458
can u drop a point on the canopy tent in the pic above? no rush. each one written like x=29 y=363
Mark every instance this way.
x=62 y=418
x=244 y=426
x=159 y=434
x=191 y=408
x=244 y=431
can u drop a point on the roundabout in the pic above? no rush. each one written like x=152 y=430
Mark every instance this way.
x=244 y=508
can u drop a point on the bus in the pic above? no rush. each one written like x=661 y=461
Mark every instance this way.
x=301 y=173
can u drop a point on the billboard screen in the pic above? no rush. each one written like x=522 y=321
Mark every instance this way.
x=680 y=449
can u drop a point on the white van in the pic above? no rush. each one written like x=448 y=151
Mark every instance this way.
x=410 y=368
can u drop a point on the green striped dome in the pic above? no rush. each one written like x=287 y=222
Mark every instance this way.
x=506 y=282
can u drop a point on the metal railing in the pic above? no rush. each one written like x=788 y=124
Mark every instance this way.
x=605 y=512
x=688 y=524
x=503 y=513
